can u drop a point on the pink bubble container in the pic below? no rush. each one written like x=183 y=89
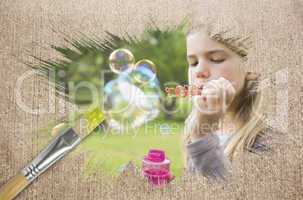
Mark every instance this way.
x=155 y=167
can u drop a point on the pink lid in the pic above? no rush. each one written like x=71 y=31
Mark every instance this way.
x=155 y=155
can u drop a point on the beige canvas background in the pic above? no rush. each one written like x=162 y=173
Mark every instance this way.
x=26 y=27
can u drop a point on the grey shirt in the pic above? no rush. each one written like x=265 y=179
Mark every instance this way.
x=206 y=156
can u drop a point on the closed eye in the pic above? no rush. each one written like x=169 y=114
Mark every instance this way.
x=217 y=60
x=217 y=56
x=194 y=64
x=192 y=61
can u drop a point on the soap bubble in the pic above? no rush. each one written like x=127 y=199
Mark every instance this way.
x=120 y=60
x=144 y=71
x=129 y=103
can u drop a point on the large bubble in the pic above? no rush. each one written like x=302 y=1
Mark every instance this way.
x=120 y=60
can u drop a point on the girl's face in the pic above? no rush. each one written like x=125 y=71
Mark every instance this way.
x=209 y=59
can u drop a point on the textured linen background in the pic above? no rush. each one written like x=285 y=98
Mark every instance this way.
x=27 y=28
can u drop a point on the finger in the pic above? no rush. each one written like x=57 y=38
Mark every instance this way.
x=213 y=84
x=214 y=102
x=228 y=85
x=223 y=92
x=227 y=89
x=200 y=103
x=209 y=101
x=216 y=88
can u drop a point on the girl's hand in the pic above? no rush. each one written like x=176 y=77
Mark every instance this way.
x=208 y=108
x=216 y=96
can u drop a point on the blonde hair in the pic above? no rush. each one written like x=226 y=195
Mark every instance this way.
x=249 y=111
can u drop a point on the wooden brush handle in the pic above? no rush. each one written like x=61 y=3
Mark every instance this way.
x=13 y=187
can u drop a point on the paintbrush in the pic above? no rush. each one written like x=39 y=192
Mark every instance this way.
x=69 y=136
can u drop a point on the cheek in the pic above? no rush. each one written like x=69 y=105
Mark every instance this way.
x=226 y=70
x=229 y=72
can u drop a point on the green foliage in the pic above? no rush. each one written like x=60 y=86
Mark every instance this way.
x=167 y=49
x=84 y=58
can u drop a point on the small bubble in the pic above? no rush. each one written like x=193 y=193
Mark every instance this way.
x=145 y=71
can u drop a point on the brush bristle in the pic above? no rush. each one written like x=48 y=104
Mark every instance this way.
x=89 y=120
x=94 y=117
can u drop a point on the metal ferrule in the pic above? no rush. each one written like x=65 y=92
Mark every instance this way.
x=58 y=148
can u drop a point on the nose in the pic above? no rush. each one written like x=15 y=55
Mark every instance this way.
x=203 y=74
x=203 y=71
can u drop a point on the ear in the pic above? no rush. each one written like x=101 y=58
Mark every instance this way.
x=252 y=76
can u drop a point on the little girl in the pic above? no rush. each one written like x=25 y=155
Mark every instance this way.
x=226 y=117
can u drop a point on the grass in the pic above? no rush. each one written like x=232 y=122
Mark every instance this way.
x=109 y=151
